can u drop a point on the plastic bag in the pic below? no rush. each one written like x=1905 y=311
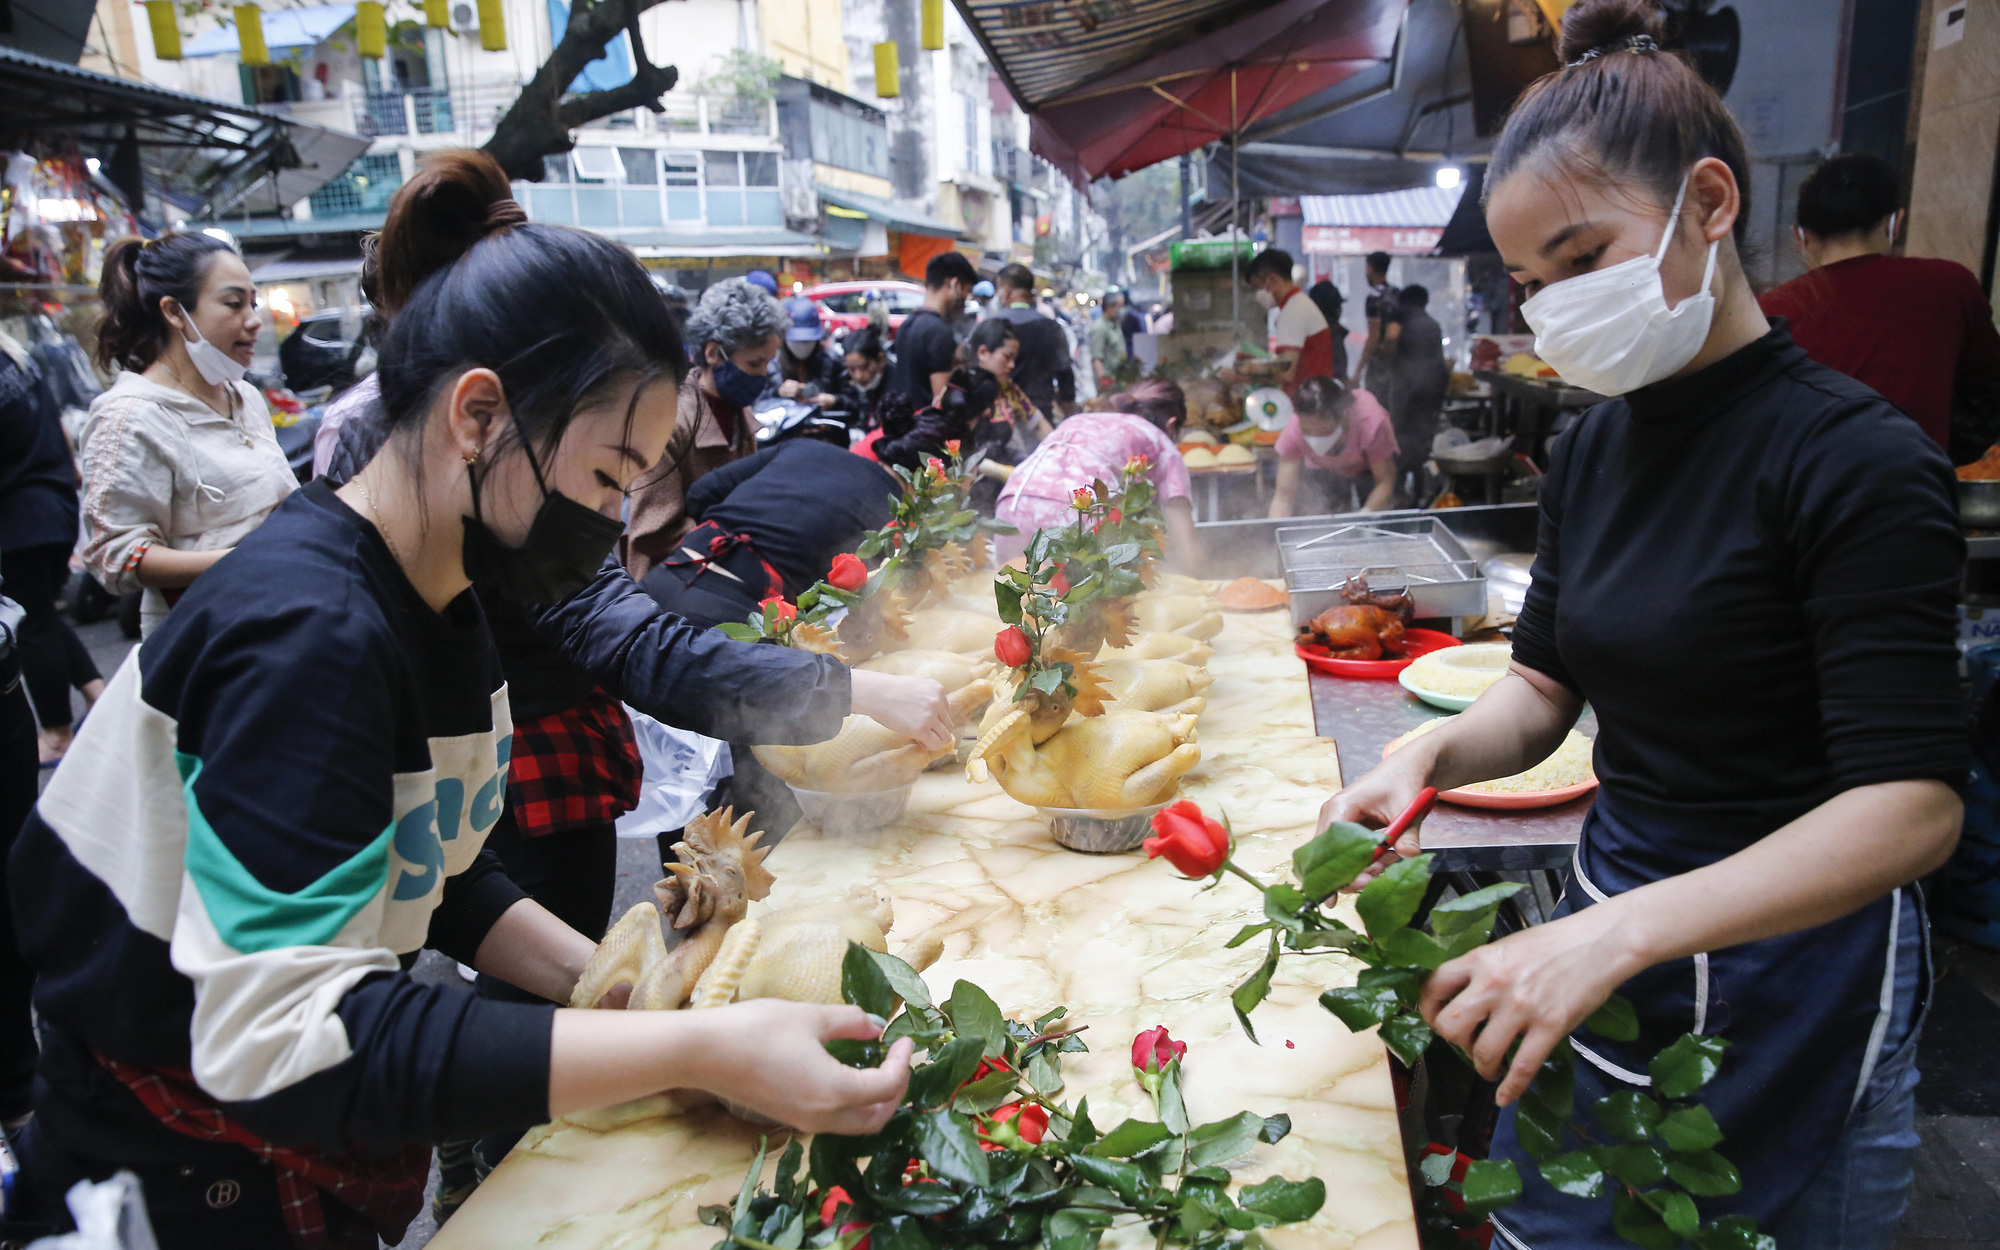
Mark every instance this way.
x=682 y=770
x=110 y=1215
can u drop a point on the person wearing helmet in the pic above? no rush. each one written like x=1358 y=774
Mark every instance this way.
x=762 y=278
x=807 y=370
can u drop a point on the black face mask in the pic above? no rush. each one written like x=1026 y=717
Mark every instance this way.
x=566 y=545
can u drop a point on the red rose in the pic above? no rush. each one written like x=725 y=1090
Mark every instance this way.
x=830 y=1205
x=1082 y=500
x=785 y=610
x=1189 y=840
x=1153 y=1050
x=986 y=1068
x=847 y=573
x=1058 y=582
x=1113 y=517
x=1010 y=647
x=1137 y=464
x=1017 y=1121
x=935 y=465
x=951 y=446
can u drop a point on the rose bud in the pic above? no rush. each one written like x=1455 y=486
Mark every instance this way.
x=1010 y=647
x=847 y=573
x=1188 y=840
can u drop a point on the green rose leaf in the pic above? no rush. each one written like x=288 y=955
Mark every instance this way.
x=1637 y=1166
x=1436 y=1169
x=863 y=983
x=1407 y=1037
x=1255 y=990
x=1615 y=1019
x=1691 y=1128
x=1334 y=858
x=1133 y=1137
x=1360 y=1009
x=901 y=1232
x=1677 y=1209
x=1456 y=914
x=1116 y=1175
x=1687 y=1065
x=1406 y=983
x=1412 y=947
x=935 y=1082
x=1575 y=1174
x=1008 y=599
x=903 y=979
x=948 y=1144
x=1636 y=1223
x=1286 y=1202
x=1390 y=901
x=1283 y=905
x=1554 y=1085
x=1244 y=934
x=1629 y=1114
x=1276 y=1129
x=1074 y=1229
x=741 y=633
x=856 y=1053
x=1734 y=1232
x=1490 y=1184
x=1225 y=1139
x=973 y=1014
x=1173 y=1108
x=1539 y=1128
x=984 y=1094
x=1081 y=1131
x=1704 y=1173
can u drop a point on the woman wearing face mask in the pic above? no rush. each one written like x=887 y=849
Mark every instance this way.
x=1749 y=566
x=862 y=391
x=807 y=370
x=1918 y=330
x=733 y=335
x=224 y=883
x=995 y=348
x=179 y=459
x=1340 y=434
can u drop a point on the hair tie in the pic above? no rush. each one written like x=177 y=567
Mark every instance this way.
x=1641 y=44
x=505 y=214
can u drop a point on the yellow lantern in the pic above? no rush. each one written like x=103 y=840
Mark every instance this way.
x=251 y=49
x=371 y=30
x=437 y=13
x=493 y=25
x=933 y=25
x=888 y=73
x=166 y=29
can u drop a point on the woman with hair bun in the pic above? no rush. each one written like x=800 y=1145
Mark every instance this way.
x=179 y=457
x=224 y=884
x=1096 y=446
x=1918 y=330
x=1748 y=566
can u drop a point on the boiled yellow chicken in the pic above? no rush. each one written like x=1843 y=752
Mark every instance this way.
x=1114 y=762
x=866 y=757
x=1161 y=613
x=1162 y=583
x=1154 y=685
x=950 y=629
x=953 y=670
x=795 y=953
x=1161 y=647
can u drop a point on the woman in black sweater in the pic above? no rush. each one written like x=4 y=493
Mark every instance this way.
x=1748 y=566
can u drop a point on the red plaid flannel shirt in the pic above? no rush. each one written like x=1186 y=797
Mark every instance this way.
x=573 y=768
x=387 y=1193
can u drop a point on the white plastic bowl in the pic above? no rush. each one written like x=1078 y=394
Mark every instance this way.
x=863 y=812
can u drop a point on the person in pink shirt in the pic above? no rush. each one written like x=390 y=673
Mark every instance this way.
x=1095 y=446
x=1340 y=432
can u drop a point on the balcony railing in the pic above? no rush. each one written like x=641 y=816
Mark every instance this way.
x=624 y=206
x=440 y=110
x=418 y=111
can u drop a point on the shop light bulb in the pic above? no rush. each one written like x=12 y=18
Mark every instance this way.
x=94 y=164
x=1448 y=176
x=280 y=301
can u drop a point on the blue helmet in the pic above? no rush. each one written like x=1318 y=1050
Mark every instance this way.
x=760 y=277
x=805 y=323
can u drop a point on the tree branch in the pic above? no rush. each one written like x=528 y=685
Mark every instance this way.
x=541 y=118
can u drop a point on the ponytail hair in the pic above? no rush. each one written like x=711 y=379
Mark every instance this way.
x=138 y=274
x=1622 y=110
x=565 y=318
x=969 y=395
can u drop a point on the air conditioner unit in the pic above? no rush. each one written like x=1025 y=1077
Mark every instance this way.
x=464 y=16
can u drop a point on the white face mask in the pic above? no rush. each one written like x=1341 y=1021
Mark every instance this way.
x=1610 y=330
x=801 y=349
x=1321 y=443
x=215 y=366
x=1267 y=299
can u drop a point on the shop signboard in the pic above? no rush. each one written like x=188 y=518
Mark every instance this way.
x=1361 y=240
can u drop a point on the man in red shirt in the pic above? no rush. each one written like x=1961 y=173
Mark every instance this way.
x=1916 y=330
x=1302 y=339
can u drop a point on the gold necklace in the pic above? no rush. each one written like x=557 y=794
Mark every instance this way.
x=376 y=514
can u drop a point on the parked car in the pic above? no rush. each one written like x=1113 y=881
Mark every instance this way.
x=844 y=305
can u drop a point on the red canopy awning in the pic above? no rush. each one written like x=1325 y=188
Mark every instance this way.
x=1104 y=102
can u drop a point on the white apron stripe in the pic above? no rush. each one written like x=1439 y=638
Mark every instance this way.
x=1512 y=1241
x=1609 y=1068
x=1701 y=993
x=1888 y=1002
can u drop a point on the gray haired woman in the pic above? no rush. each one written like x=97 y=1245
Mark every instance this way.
x=733 y=333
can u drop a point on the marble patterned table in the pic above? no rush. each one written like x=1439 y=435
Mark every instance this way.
x=1120 y=939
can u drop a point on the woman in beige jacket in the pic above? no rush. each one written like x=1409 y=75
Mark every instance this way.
x=179 y=457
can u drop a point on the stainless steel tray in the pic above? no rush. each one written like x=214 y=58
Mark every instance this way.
x=1415 y=554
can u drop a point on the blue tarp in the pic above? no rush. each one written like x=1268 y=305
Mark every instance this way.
x=613 y=69
x=283 y=28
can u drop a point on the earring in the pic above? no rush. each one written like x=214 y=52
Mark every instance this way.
x=470 y=458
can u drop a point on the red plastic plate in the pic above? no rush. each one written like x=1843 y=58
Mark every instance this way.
x=1415 y=642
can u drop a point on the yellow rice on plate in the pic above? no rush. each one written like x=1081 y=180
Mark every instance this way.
x=1462 y=671
x=1569 y=766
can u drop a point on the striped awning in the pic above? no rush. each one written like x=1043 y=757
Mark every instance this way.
x=1419 y=206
